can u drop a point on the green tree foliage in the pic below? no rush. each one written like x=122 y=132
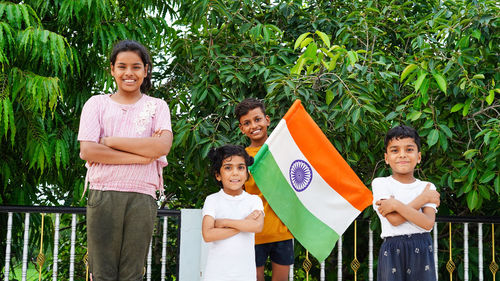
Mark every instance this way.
x=360 y=68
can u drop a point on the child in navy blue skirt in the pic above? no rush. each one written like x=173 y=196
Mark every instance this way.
x=406 y=207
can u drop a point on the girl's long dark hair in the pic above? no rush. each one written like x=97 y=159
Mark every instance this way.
x=134 y=46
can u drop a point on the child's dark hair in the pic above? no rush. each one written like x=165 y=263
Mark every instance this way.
x=217 y=156
x=402 y=132
x=246 y=105
x=134 y=46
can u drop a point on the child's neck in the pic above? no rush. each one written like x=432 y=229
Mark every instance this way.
x=404 y=178
x=258 y=143
x=126 y=98
x=233 y=192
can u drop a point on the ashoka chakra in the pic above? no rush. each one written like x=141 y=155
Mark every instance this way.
x=300 y=175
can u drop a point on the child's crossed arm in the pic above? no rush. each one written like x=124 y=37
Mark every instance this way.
x=397 y=213
x=213 y=230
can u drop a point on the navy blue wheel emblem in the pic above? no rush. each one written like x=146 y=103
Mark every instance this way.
x=300 y=175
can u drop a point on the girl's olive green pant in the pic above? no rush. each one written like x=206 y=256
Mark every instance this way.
x=119 y=230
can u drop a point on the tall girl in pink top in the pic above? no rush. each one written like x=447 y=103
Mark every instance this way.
x=124 y=137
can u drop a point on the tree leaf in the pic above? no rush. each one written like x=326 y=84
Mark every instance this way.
x=352 y=57
x=433 y=137
x=329 y=96
x=472 y=200
x=306 y=42
x=266 y=35
x=446 y=130
x=496 y=184
x=311 y=50
x=324 y=37
x=300 y=39
x=440 y=81
x=355 y=115
x=419 y=81
x=490 y=98
x=457 y=107
x=409 y=69
x=487 y=176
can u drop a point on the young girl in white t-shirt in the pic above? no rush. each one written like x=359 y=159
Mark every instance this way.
x=406 y=207
x=231 y=217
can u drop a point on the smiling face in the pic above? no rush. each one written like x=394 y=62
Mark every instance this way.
x=233 y=174
x=402 y=155
x=129 y=72
x=254 y=125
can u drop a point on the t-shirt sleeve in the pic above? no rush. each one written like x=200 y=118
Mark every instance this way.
x=431 y=205
x=257 y=204
x=162 y=117
x=380 y=191
x=209 y=207
x=90 y=127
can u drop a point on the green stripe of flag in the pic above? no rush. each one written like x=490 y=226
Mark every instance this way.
x=291 y=211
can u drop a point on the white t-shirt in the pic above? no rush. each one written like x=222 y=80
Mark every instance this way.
x=231 y=259
x=384 y=188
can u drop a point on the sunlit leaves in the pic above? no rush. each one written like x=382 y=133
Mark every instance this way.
x=440 y=81
x=40 y=46
x=409 y=69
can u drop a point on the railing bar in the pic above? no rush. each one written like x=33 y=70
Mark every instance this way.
x=480 y=250
x=56 y=247
x=69 y=210
x=25 y=246
x=466 y=252
x=436 y=250
x=164 y=249
x=339 y=259
x=72 y=249
x=322 y=271
x=148 y=278
x=370 y=252
x=7 y=247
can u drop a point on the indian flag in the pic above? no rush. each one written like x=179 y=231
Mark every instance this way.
x=307 y=183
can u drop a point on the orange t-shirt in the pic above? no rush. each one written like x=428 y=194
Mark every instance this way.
x=274 y=230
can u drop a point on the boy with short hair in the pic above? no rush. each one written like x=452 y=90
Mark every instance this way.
x=407 y=210
x=275 y=240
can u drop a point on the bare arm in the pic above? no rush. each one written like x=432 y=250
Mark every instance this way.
x=152 y=147
x=211 y=233
x=427 y=196
x=424 y=219
x=252 y=223
x=95 y=152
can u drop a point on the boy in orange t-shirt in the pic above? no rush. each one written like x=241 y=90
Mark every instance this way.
x=275 y=240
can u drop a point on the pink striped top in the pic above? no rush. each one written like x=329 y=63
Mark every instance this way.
x=103 y=117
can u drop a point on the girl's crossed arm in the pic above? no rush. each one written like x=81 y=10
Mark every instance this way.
x=151 y=147
x=94 y=152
